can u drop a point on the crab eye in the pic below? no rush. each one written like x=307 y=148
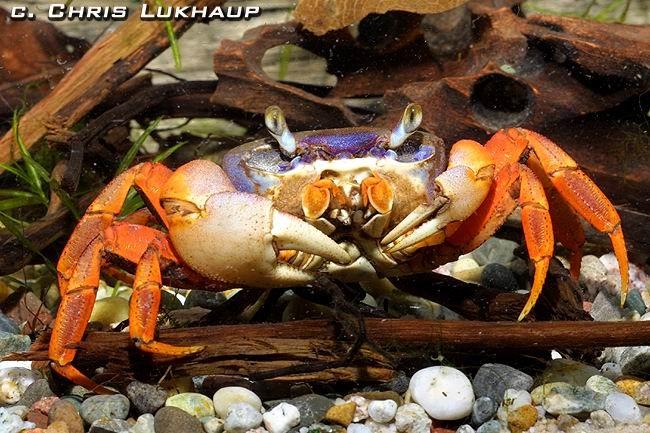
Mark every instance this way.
x=277 y=126
x=410 y=121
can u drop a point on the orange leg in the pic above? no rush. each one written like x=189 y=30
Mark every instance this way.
x=79 y=266
x=581 y=194
x=145 y=304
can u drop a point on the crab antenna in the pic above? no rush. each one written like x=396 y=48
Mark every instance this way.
x=277 y=126
x=407 y=125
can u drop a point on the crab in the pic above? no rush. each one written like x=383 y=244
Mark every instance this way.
x=356 y=204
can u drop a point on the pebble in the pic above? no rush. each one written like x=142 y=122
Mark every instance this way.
x=601 y=384
x=493 y=426
x=146 y=398
x=611 y=370
x=312 y=408
x=629 y=385
x=342 y=414
x=412 y=418
x=34 y=392
x=145 y=424
x=361 y=411
x=642 y=395
x=382 y=411
x=605 y=308
x=601 y=419
x=447 y=33
x=229 y=395
x=381 y=395
x=635 y=360
x=483 y=410
x=634 y=301
x=10 y=342
x=111 y=310
x=38 y=413
x=106 y=425
x=572 y=400
x=242 y=417
x=594 y=276
x=495 y=250
x=522 y=418
x=445 y=393
x=204 y=299
x=212 y=424
x=565 y=422
x=569 y=371
x=465 y=428
x=67 y=413
x=376 y=427
x=466 y=269
x=105 y=406
x=281 y=418
x=195 y=404
x=497 y=276
x=11 y=422
x=622 y=408
x=492 y=380
x=357 y=428
x=8 y=325
x=171 y=419
x=14 y=382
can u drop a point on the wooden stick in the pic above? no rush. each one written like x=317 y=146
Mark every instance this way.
x=109 y=63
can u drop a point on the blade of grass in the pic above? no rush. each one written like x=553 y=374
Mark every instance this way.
x=133 y=150
x=16 y=171
x=15 y=193
x=16 y=202
x=285 y=59
x=15 y=228
x=173 y=42
x=167 y=152
x=35 y=171
x=132 y=203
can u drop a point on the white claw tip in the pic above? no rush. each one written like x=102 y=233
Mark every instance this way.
x=277 y=126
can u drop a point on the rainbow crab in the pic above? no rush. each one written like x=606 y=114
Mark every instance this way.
x=354 y=203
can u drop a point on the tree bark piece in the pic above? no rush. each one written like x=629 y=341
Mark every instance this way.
x=109 y=63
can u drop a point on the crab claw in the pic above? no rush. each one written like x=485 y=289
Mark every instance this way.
x=237 y=237
x=463 y=187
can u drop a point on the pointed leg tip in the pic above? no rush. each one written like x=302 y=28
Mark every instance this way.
x=78 y=378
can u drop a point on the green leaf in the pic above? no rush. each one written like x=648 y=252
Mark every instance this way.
x=133 y=151
x=16 y=171
x=132 y=203
x=35 y=171
x=65 y=198
x=167 y=152
x=15 y=193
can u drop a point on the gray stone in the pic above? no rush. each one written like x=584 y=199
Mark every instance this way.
x=499 y=277
x=493 y=426
x=601 y=419
x=448 y=32
x=465 y=428
x=635 y=360
x=605 y=308
x=572 y=400
x=241 y=418
x=105 y=425
x=169 y=302
x=312 y=408
x=594 y=276
x=634 y=301
x=171 y=419
x=492 y=380
x=400 y=383
x=36 y=391
x=146 y=398
x=8 y=325
x=483 y=410
x=105 y=406
x=10 y=342
x=611 y=370
x=601 y=384
x=204 y=299
x=569 y=371
x=145 y=424
x=495 y=250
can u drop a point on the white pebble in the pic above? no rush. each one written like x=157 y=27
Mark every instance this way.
x=229 y=395
x=377 y=427
x=281 y=418
x=623 y=408
x=382 y=411
x=242 y=417
x=361 y=412
x=144 y=424
x=465 y=428
x=601 y=419
x=411 y=418
x=12 y=423
x=212 y=424
x=445 y=393
x=357 y=428
x=13 y=383
x=611 y=370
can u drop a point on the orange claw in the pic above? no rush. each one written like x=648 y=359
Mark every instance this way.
x=582 y=195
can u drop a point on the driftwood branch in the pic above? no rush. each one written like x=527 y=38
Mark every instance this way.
x=107 y=65
x=237 y=352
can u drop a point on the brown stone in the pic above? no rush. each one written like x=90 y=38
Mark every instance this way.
x=522 y=419
x=341 y=414
x=65 y=412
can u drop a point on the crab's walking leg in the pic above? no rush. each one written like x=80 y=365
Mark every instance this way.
x=538 y=231
x=145 y=304
x=79 y=266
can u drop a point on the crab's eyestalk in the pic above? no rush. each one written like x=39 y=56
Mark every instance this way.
x=407 y=125
x=277 y=126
